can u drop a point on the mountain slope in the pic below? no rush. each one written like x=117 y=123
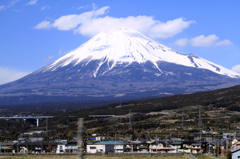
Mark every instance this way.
x=116 y=66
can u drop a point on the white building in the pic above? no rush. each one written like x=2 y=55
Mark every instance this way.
x=61 y=149
x=156 y=147
x=235 y=149
x=106 y=147
x=236 y=154
x=66 y=149
x=71 y=149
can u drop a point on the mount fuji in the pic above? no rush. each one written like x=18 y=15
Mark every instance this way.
x=116 y=66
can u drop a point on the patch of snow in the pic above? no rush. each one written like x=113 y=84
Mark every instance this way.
x=119 y=95
x=169 y=73
x=189 y=74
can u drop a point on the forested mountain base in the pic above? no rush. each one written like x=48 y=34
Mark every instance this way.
x=169 y=116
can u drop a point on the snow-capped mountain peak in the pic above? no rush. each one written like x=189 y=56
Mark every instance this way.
x=126 y=46
x=117 y=66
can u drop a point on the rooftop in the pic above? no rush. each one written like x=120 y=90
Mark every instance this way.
x=109 y=143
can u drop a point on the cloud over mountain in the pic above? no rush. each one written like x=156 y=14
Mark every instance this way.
x=202 y=41
x=95 y=21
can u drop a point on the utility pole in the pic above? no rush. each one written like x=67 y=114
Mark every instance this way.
x=130 y=120
x=115 y=135
x=47 y=126
x=37 y=121
x=214 y=147
x=182 y=120
x=130 y=128
x=199 y=117
x=200 y=122
x=227 y=144
x=80 y=138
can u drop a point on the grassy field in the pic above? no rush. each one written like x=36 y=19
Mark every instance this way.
x=162 y=156
x=206 y=156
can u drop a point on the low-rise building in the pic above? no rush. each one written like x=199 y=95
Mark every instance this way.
x=196 y=148
x=235 y=149
x=106 y=147
x=61 y=149
x=236 y=153
x=6 y=147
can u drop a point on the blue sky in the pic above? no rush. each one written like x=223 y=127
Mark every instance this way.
x=34 y=33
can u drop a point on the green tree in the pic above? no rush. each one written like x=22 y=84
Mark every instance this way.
x=229 y=155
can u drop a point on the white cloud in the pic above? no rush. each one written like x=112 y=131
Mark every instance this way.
x=224 y=43
x=202 y=41
x=236 y=68
x=11 y=3
x=2 y=7
x=181 y=42
x=60 y=52
x=94 y=6
x=81 y=7
x=32 y=2
x=43 y=25
x=8 y=75
x=70 y=22
x=44 y=8
x=169 y=28
x=48 y=59
x=95 y=21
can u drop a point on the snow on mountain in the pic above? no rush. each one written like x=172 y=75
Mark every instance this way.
x=126 y=46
